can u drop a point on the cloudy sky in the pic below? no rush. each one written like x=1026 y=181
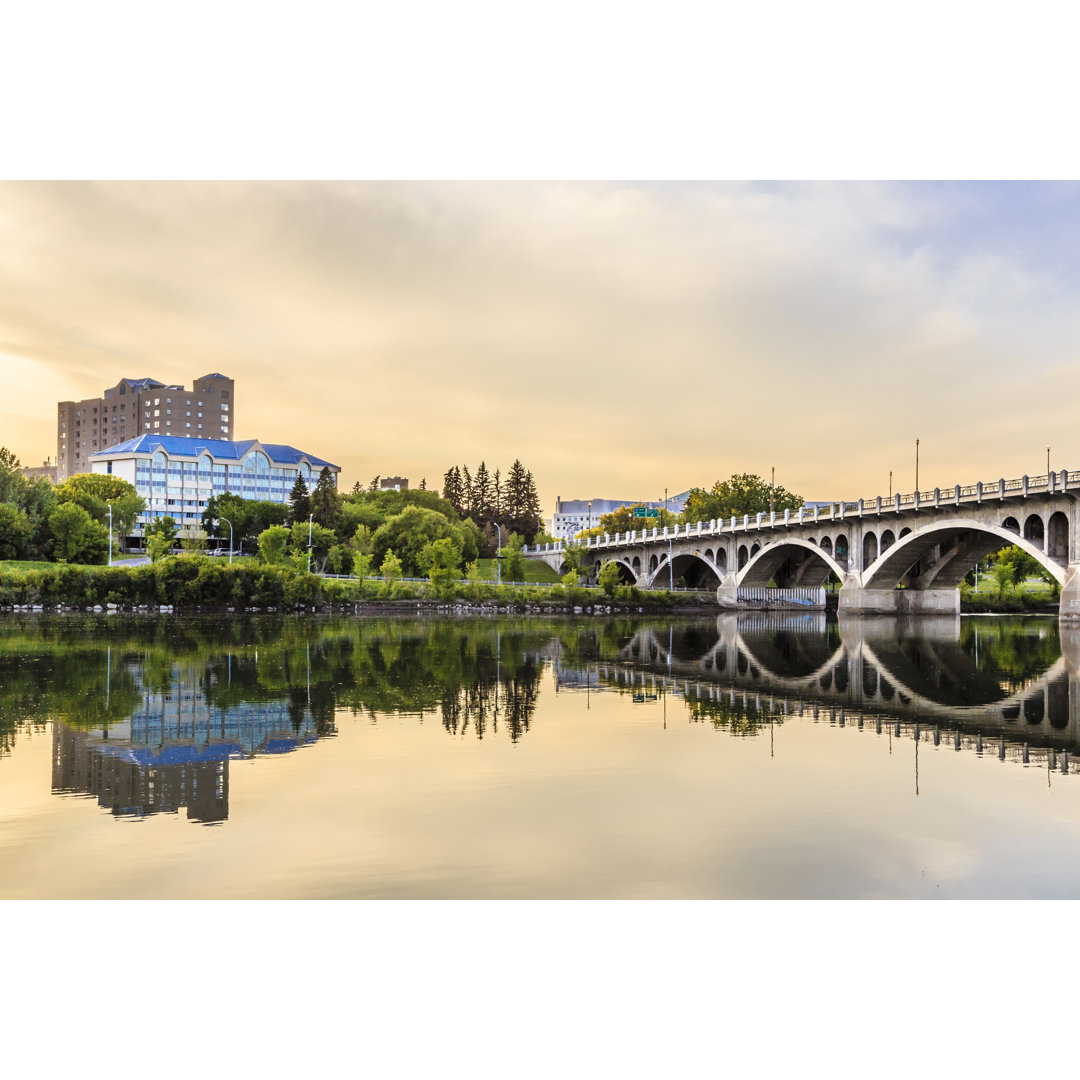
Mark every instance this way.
x=618 y=338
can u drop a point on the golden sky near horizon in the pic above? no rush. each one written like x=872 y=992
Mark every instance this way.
x=618 y=338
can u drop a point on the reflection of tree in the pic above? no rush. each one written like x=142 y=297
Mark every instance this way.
x=1012 y=650
x=94 y=671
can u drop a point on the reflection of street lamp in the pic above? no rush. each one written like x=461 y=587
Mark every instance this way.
x=229 y=523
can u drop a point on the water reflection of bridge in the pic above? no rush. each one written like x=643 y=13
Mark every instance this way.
x=174 y=750
x=904 y=676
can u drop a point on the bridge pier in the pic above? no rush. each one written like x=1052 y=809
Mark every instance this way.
x=1069 y=608
x=855 y=600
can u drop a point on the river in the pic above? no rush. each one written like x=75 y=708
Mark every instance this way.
x=744 y=756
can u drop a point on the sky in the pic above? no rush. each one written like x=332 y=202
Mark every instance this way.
x=618 y=338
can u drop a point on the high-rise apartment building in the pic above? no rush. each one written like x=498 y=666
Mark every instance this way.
x=135 y=406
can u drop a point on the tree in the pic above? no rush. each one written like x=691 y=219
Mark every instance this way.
x=96 y=492
x=1004 y=576
x=390 y=568
x=249 y=517
x=16 y=532
x=299 y=501
x=160 y=536
x=374 y=485
x=11 y=479
x=441 y=560
x=513 y=559
x=609 y=577
x=407 y=533
x=321 y=541
x=452 y=490
x=481 y=509
x=193 y=541
x=325 y=501
x=743 y=494
x=467 y=500
x=272 y=543
x=76 y=536
x=1023 y=564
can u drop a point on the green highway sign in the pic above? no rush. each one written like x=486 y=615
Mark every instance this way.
x=646 y=512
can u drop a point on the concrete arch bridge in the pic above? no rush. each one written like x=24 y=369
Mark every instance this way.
x=904 y=555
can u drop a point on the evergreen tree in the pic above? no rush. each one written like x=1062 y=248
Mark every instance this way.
x=533 y=519
x=325 y=501
x=452 y=492
x=423 y=483
x=516 y=497
x=481 y=500
x=299 y=501
x=467 y=497
x=496 y=498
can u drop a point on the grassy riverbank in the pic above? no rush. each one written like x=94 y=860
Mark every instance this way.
x=197 y=582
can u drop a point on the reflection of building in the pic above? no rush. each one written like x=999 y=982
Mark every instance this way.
x=132 y=406
x=174 y=750
x=177 y=476
x=113 y=773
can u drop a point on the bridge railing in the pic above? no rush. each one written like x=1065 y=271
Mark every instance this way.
x=984 y=491
x=799 y=596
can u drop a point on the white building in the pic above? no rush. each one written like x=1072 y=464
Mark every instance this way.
x=573 y=515
x=177 y=476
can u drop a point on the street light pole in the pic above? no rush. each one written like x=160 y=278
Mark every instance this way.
x=498 y=556
x=916 y=466
x=229 y=523
x=1048 y=461
x=110 y=534
x=311 y=518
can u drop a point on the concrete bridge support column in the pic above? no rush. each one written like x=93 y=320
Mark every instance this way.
x=854 y=600
x=1069 y=609
x=727 y=594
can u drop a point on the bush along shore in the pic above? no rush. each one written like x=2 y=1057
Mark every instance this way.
x=193 y=583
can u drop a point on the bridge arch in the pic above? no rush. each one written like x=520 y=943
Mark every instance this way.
x=940 y=554
x=869 y=548
x=1034 y=530
x=790 y=562
x=1057 y=540
x=690 y=568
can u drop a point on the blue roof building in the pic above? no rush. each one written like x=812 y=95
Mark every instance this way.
x=177 y=475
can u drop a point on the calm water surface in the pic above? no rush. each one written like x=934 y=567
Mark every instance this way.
x=751 y=756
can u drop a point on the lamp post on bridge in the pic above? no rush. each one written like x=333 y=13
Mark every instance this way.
x=916 y=466
x=1048 y=461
